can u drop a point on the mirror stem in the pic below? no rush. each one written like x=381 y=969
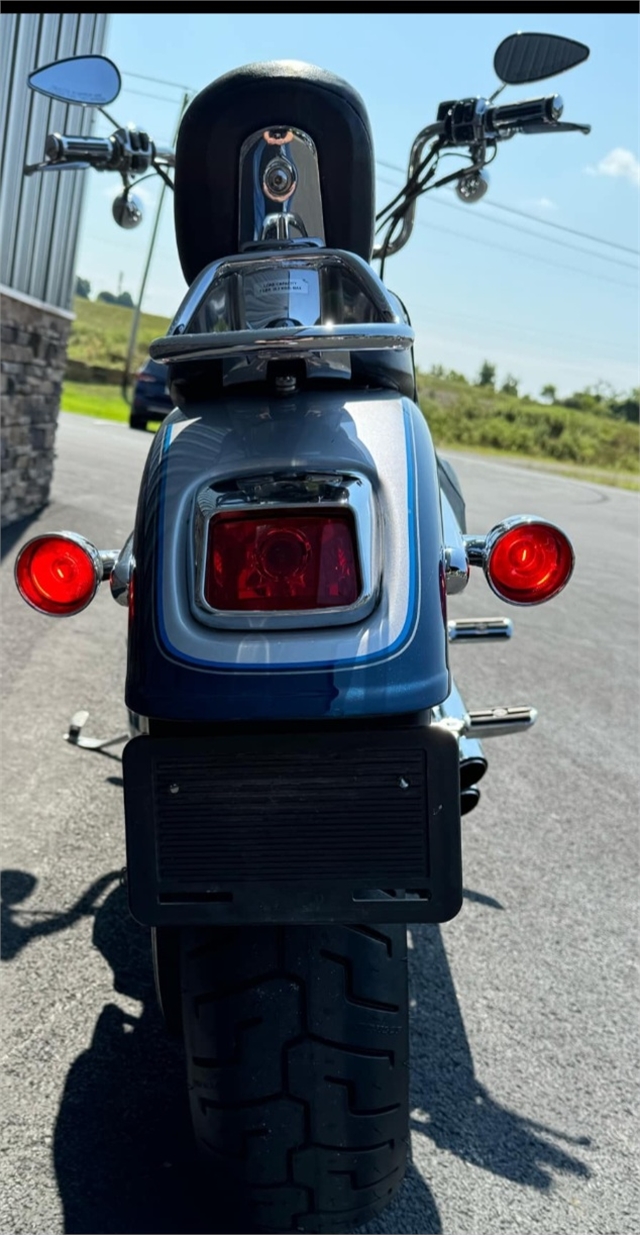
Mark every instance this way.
x=108 y=117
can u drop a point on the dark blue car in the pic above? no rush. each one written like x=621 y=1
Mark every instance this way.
x=151 y=398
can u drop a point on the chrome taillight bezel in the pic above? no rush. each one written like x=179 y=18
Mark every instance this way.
x=278 y=493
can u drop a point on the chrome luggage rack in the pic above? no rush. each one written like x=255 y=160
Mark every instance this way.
x=295 y=276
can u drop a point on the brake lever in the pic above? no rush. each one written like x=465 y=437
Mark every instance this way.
x=30 y=169
x=557 y=126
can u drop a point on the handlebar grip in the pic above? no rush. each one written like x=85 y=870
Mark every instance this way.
x=63 y=148
x=529 y=111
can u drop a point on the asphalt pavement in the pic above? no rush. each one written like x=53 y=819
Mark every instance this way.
x=525 y=1007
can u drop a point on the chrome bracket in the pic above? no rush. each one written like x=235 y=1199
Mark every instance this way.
x=464 y=630
x=76 y=737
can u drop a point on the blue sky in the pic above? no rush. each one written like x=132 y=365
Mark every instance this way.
x=475 y=288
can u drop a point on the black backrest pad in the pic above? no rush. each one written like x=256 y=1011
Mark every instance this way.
x=223 y=115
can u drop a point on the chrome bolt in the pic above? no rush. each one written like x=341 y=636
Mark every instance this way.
x=174 y=789
x=403 y=782
x=280 y=179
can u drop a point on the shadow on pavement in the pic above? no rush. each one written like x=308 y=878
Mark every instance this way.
x=456 y=1112
x=19 y=926
x=9 y=536
x=123 y=1148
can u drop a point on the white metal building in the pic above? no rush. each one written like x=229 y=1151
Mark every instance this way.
x=39 y=224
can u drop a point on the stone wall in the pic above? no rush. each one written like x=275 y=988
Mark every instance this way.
x=33 y=339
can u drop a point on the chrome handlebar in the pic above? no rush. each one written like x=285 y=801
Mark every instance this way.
x=128 y=150
x=430 y=133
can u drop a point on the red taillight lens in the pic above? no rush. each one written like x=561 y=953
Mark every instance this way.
x=300 y=560
x=530 y=563
x=56 y=575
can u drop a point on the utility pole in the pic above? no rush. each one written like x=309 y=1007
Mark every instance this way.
x=126 y=377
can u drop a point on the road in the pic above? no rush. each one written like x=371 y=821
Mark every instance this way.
x=524 y=1008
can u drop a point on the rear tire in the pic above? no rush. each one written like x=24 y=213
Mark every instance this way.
x=297 y=1058
x=165 y=959
x=137 y=422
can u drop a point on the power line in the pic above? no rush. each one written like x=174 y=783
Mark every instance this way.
x=522 y=253
x=160 y=81
x=160 y=98
x=525 y=215
x=532 y=256
x=526 y=231
x=561 y=228
x=433 y=311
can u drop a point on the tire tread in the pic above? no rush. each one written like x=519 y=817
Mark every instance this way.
x=297 y=1058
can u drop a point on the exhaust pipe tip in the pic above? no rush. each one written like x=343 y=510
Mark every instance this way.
x=471 y=771
x=469 y=799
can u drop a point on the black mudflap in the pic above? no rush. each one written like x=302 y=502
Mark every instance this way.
x=300 y=828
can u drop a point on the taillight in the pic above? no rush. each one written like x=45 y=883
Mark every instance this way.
x=297 y=560
x=143 y=376
x=529 y=563
x=57 y=574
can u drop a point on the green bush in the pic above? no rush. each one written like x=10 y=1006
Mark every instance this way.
x=479 y=417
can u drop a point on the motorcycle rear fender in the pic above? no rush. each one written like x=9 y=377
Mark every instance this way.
x=392 y=662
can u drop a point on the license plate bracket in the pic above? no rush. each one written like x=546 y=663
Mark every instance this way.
x=355 y=826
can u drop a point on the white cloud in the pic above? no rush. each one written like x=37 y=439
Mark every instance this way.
x=618 y=162
x=544 y=203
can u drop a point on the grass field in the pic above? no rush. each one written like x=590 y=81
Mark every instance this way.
x=100 y=334
x=104 y=402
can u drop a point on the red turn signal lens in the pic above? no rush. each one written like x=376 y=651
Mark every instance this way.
x=56 y=575
x=300 y=560
x=530 y=563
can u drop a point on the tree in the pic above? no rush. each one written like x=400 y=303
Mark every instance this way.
x=586 y=400
x=487 y=374
x=124 y=299
x=629 y=408
x=549 y=392
x=83 y=287
x=510 y=385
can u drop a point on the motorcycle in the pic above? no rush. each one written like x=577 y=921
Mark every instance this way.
x=300 y=756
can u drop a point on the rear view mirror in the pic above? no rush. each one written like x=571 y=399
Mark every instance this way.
x=531 y=57
x=89 y=81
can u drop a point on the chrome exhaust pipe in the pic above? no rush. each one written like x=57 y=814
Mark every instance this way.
x=473 y=763
x=469 y=799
